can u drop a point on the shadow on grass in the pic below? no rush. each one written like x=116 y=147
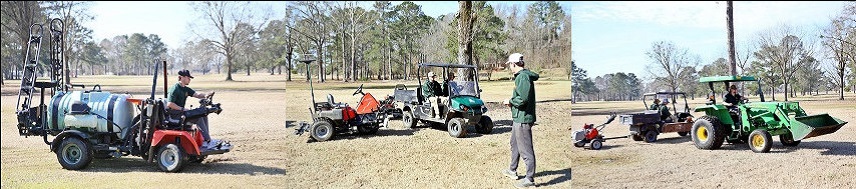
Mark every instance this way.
x=833 y=148
x=566 y=175
x=380 y=133
x=214 y=166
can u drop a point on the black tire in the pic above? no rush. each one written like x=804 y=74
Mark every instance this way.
x=171 y=158
x=636 y=137
x=198 y=159
x=787 y=139
x=457 y=127
x=321 y=130
x=760 y=141
x=651 y=136
x=368 y=129
x=579 y=144
x=708 y=133
x=485 y=125
x=74 y=154
x=683 y=133
x=408 y=119
x=596 y=144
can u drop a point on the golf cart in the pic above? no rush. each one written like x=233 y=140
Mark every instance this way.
x=646 y=125
x=462 y=109
x=756 y=122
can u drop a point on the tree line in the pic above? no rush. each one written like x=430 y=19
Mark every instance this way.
x=786 y=60
x=349 y=42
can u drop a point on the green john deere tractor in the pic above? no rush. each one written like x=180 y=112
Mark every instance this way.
x=756 y=122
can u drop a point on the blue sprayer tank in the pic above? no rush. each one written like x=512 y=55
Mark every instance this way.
x=103 y=106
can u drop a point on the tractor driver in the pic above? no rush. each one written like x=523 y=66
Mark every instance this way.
x=732 y=99
x=178 y=94
x=432 y=90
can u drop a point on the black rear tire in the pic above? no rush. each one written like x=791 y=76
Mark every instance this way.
x=321 y=130
x=636 y=137
x=683 y=133
x=760 y=141
x=457 y=127
x=787 y=139
x=708 y=133
x=408 y=119
x=171 y=158
x=485 y=125
x=74 y=153
x=651 y=136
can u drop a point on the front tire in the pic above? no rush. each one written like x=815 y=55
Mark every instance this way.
x=171 y=158
x=787 y=139
x=408 y=119
x=322 y=130
x=596 y=144
x=636 y=137
x=457 y=128
x=74 y=154
x=708 y=133
x=760 y=141
x=485 y=125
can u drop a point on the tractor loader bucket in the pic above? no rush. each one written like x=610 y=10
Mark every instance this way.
x=814 y=125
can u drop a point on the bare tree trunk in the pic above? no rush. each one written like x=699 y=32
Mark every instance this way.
x=344 y=55
x=466 y=18
x=730 y=19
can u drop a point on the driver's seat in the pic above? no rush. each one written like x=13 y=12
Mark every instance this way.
x=333 y=103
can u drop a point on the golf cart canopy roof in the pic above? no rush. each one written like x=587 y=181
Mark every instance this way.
x=446 y=65
x=664 y=93
x=725 y=79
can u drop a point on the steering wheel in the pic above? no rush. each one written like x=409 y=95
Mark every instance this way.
x=359 y=90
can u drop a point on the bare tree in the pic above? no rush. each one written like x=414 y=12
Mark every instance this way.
x=226 y=16
x=668 y=62
x=18 y=16
x=466 y=18
x=840 y=50
x=731 y=54
x=313 y=24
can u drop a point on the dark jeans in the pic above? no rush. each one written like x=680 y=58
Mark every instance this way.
x=202 y=123
x=521 y=145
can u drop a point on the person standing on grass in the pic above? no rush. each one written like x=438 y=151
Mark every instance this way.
x=522 y=103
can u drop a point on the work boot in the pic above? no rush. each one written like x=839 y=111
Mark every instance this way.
x=510 y=174
x=524 y=183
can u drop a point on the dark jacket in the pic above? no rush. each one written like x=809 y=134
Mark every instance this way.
x=523 y=98
x=431 y=88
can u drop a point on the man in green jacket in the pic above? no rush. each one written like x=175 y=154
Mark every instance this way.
x=522 y=103
x=433 y=92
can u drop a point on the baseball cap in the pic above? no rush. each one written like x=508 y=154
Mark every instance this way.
x=185 y=73
x=515 y=58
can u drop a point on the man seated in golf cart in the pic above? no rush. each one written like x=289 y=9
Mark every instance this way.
x=665 y=115
x=433 y=93
x=449 y=85
x=655 y=105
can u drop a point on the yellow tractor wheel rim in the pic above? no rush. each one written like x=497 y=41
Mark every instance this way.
x=757 y=141
x=702 y=133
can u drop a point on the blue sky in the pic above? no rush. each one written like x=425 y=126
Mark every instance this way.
x=611 y=37
x=172 y=21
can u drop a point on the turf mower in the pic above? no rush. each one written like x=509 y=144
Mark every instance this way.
x=648 y=124
x=592 y=135
x=332 y=117
x=463 y=108
x=756 y=123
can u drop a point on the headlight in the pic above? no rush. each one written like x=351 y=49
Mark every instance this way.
x=464 y=108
